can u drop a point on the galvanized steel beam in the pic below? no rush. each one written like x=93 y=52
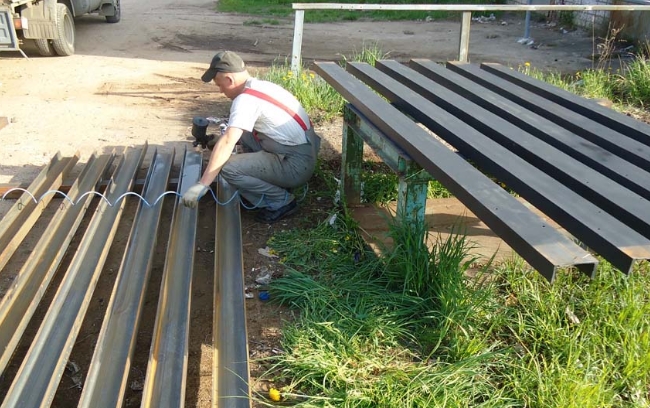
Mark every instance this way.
x=536 y=241
x=23 y=214
x=601 y=231
x=230 y=370
x=167 y=370
x=109 y=368
x=21 y=300
x=40 y=373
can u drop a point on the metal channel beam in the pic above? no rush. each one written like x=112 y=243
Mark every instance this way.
x=109 y=368
x=613 y=166
x=167 y=369
x=536 y=241
x=614 y=142
x=602 y=232
x=626 y=125
x=230 y=370
x=20 y=302
x=625 y=205
x=24 y=213
x=41 y=371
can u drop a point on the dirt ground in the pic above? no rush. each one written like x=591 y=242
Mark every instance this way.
x=139 y=81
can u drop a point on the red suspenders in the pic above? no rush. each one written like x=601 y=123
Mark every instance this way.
x=285 y=108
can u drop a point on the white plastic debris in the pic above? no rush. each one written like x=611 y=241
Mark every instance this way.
x=332 y=220
x=266 y=252
x=264 y=277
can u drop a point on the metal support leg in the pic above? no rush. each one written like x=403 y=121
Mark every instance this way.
x=352 y=160
x=412 y=195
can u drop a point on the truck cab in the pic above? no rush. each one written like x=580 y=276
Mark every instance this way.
x=50 y=23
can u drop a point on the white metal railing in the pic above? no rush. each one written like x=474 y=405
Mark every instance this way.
x=466 y=9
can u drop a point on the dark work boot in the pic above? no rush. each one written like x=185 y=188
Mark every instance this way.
x=271 y=216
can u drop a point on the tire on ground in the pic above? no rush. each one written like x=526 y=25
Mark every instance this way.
x=44 y=47
x=64 y=44
x=118 y=13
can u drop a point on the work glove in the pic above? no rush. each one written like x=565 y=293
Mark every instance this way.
x=193 y=195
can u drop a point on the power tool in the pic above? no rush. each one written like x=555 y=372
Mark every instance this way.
x=200 y=128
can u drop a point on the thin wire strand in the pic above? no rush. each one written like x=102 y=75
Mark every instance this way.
x=131 y=193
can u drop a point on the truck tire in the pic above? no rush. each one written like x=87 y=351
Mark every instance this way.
x=44 y=47
x=118 y=14
x=64 y=44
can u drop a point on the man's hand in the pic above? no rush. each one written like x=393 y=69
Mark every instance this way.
x=193 y=195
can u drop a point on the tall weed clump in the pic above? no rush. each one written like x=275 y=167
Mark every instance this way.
x=381 y=331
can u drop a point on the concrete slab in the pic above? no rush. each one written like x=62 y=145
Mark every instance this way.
x=443 y=216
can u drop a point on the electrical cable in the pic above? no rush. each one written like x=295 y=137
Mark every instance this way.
x=214 y=196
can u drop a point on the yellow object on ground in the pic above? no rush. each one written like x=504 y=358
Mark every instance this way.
x=274 y=394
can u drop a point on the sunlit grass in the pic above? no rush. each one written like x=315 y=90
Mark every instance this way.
x=283 y=8
x=628 y=87
x=410 y=329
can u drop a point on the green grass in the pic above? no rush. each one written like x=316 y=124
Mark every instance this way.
x=627 y=88
x=283 y=9
x=322 y=102
x=409 y=329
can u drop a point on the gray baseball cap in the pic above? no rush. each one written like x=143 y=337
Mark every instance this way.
x=224 y=61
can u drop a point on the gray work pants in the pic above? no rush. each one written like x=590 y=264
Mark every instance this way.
x=267 y=169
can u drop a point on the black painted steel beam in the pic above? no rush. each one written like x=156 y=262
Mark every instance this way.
x=537 y=242
x=627 y=206
x=614 y=142
x=618 y=169
x=626 y=125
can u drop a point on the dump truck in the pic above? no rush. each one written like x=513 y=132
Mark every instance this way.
x=50 y=23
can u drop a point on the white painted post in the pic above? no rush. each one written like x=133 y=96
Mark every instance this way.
x=463 y=47
x=297 y=41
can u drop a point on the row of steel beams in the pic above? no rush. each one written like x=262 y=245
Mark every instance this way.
x=624 y=124
x=629 y=207
x=106 y=380
x=21 y=300
x=536 y=241
x=41 y=370
x=167 y=369
x=24 y=213
x=597 y=157
x=617 y=143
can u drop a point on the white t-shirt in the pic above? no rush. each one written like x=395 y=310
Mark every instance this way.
x=249 y=112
